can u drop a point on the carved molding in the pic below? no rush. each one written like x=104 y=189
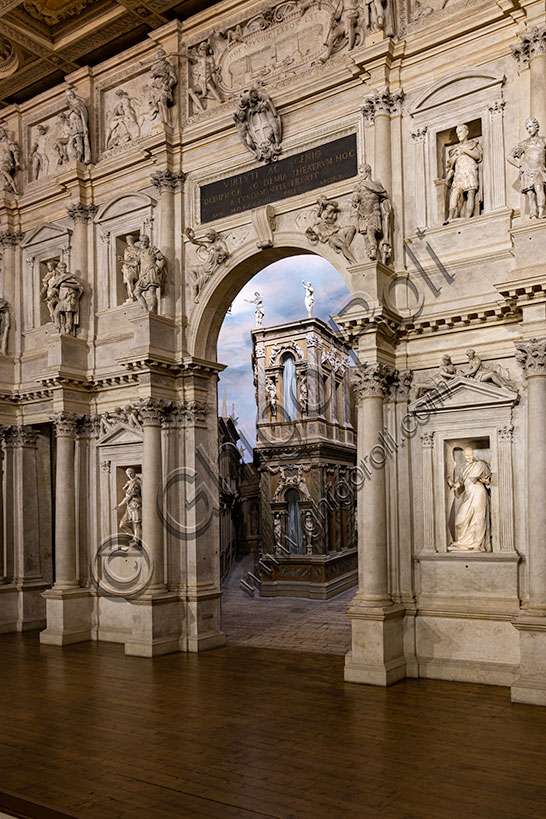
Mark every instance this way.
x=531 y=356
x=279 y=349
x=263 y=220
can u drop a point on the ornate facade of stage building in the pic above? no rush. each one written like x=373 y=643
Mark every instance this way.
x=402 y=140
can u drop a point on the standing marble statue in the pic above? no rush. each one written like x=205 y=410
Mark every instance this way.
x=9 y=161
x=123 y=124
x=39 y=158
x=303 y=394
x=62 y=292
x=326 y=230
x=271 y=390
x=78 y=123
x=131 y=521
x=374 y=213
x=277 y=532
x=151 y=269
x=204 y=80
x=463 y=175
x=258 y=124
x=5 y=323
x=446 y=372
x=259 y=308
x=477 y=369
x=129 y=267
x=309 y=297
x=62 y=138
x=162 y=87
x=472 y=514
x=212 y=252
x=343 y=27
x=529 y=156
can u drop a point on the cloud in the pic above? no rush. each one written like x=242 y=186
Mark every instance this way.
x=280 y=287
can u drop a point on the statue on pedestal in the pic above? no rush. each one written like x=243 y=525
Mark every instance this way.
x=151 y=268
x=78 y=123
x=309 y=297
x=277 y=532
x=9 y=161
x=259 y=308
x=131 y=522
x=529 y=156
x=271 y=390
x=62 y=292
x=463 y=175
x=374 y=213
x=303 y=396
x=326 y=230
x=5 y=322
x=472 y=514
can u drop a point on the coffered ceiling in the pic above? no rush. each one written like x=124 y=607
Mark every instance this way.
x=43 y=40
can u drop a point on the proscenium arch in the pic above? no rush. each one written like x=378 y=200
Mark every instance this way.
x=208 y=314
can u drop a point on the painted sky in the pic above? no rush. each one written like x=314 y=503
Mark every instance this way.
x=283 y=296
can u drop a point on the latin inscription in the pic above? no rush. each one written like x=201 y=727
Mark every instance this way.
x=296 y=174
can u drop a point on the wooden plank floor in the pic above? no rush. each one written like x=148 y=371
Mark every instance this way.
x=247 y=732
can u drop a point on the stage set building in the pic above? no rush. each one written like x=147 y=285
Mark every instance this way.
x=150 y=165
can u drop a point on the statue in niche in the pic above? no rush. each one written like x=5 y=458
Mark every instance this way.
x=212 y=252
x=258 y=124
x=308 y=526
x=151 y=267
x=271 y=390
x=472 y=513
x=477 y=370
x=9 y=161
x=326 y=230
x=129 y=266
x=374 y=213
x=162 y=87
x=123 y=124
x=62 y=138
x=131 y=521
x=204 y=80
x=39 y=159
x=462 y=174
x=529 y=156
x=5 y=323
x=303 y=393
x=446 y=372
x=62 y=292
x=259 y=308
x=78 y=127
x=374 y=14
x=309 y=297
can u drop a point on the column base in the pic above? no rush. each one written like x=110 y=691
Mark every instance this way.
x=8 y=608
x=68 y=616
x=31 y=606
x=530 y=686
x=203 y=615
x=377 y=655
x=156 y=625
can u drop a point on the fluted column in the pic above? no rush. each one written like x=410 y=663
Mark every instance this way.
x=378 y=108
x=532 y=357
x=419 y=137
x=66 y=576
x=81 y=216
x=166 y=183
x=8 y=243
x=370 y=387
x=531 y=52
x=429 y=525
x=152 y=527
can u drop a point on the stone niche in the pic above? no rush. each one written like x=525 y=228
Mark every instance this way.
x=473 y=97
x=117 y=560
x=49 y=242
x=477 y=415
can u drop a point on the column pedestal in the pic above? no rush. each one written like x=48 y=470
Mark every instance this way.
x=156 y=625
x=377 y=652
x=68 y=616
x=530 y=686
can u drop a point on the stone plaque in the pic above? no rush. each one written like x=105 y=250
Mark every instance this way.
x=296 y=174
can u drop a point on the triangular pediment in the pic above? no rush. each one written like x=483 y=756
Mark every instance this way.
x=465 y=393
x=47 y=232
x=122 y=434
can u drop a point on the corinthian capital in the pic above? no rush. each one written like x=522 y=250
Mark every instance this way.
x=371 y=381
x=150 y=410
x=9 y=239
x=66 y=423
x=533 y=44
x=81 y=213
x=382 y=102
x=167 y=180
x=531 y=356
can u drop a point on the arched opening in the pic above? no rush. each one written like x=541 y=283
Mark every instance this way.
x=266 y=404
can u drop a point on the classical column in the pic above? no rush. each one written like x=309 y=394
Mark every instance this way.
x=81 y=216
x=152 y=476
x=497 y=184
x=429 y=526
x=532 y=52
x=531 y=356
x=166 y=183
x=370 y=387
x=530 y=686
x=378 y=107
x=312 y=341
x=8 y=242
x=506 y=489
x=419 y=140
x=66 y=576
x=377 y=653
